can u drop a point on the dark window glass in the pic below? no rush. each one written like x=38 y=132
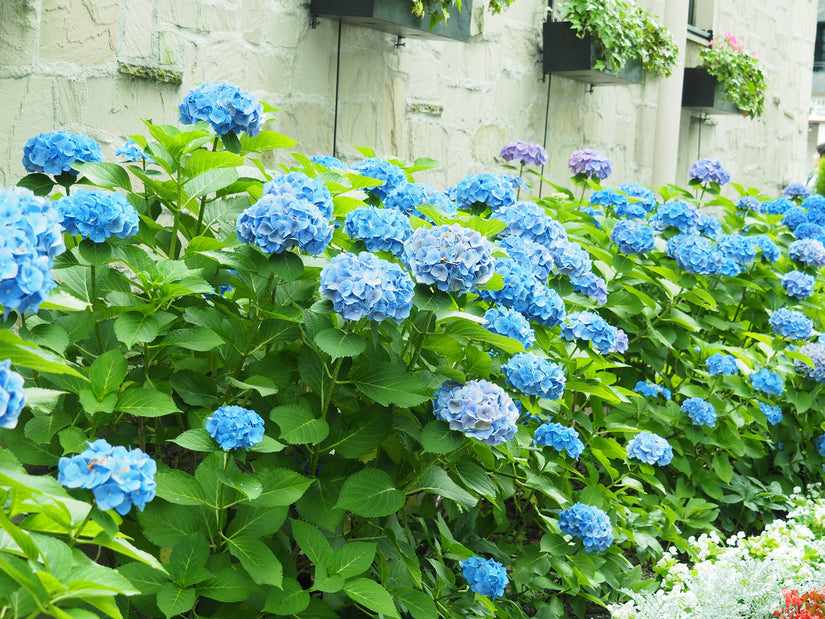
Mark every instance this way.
x=819 y=47
x=692 y=12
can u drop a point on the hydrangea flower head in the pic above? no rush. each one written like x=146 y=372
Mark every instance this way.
x=592 y=327
x=588 y=523
x=677 y=214
x=278 y=222
x=700 y=411
x=118 y=477
x=452 y=258
x=391 y=175
x=772 y=413
x=796 y=191
x=559 y=438
x=225 y=107
x=365 y=286
x=97 y=215
x=234 y=427
x=816 y=353
x=130 y=151
x=480 y=409
x=798 y=285
x=510 y=323
x=592 y=286
x=644 y=197
x=12 y=395
x=299 y=185
x=794 y=216
x=651 y=389
x=532 y=256
x=534 y=375
x=791 y=324
x=491 y=189
x=530 y=221
x=807 y=230
x=519 y=282
x=696 y=254
x=767 y=382
x=770 y=250
x=590 y=162
x=328 y=161
x=544 y=305
x=780 y=206
x=409 y=196
x=528 y=153
x=619 y=203
x=749 y=203
x=485 y=577
x=571 y=259
x=820 y=445
x=650 y=448
x=55 y=152
x=719 y=363
x=381 y=229
x=30 y=238
x=810 y=252
x=632 y=237
x=709 y=226
x=709 y=171
x=737 y=247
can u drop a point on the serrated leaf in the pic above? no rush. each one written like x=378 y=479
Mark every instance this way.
x=227 y=585
x=145 y=403
x=373 y=596
x=298 y=425
x=134 y=327
x=39 y=184
x=313 y=543
x=254 y=521
x=353 y=558
x=257 y=559
x=280 y=487
x=338 y=343
x=419 y=604
x=366 y=434
x=290 y=600
x=265 y=140
x=390 y=384
x=370 y=493
x=179 y=487
x=436 y=480
x=174 y=600
x=437 y=438
x=104 y=174
x=261 y=384
x=196 y=440
x=210 y=182
x=107 y=373
x=474 y=331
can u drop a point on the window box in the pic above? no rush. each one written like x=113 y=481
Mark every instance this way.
x=568 y=55
x=703 y=93
x=395 y=17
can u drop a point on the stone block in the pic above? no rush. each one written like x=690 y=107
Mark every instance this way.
x=119 y=104
x=18 y=33
x=228 y=60
x=313 y=71
x=198 y=15
x=70 y=97
x=270 y=72
x=357 y=126
x=82 y=32
x=287 y=30
x=310 y=124
x=254 y=15
x=362 y=75
x=392 y=114
x=138 y=29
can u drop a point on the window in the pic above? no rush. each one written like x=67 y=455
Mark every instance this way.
x=819 y=48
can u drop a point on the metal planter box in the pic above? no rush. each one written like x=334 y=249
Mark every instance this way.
x=568 y=55
x=703 y=93
x=395 y=17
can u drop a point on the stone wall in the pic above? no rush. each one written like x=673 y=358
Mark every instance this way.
x=99 y=66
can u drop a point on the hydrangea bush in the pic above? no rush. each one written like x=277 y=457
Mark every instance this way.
x=314 y=385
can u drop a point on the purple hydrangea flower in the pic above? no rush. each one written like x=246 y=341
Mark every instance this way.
x=12 y=395
x=721 y=364
x=391 y=175
x=650 y=448
x=791 y=324
x=224 y=106
x=97 y=215
x=700 y=411
x=816 y=353
x=534 y=375
x=590 y=524
x=510 y=323
x=301 y=186
x=488 y=578
x=677 y=214
x=491 y=189
x=365 y=286
x=768 y=382
x=709 y=171
x=651 y=389
x=559 y=438
x=524 y=152
x=278 y=222
x=632 y=237
x=592 y=286
x=772 y=413
x=796 y=190
x=381 y=229
x=234 y=427
x=590 y=162
x=55 y=152
x=451 y=257
x=479 y=408
x=810 y=252
x=798 y=285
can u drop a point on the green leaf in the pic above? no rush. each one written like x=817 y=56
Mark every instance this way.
x=437 y=438
x=199 y=339
x=291 y=600
x=146 y=579
x=298 y=425
x=34 y=358
x=365 y=435
x=257 y=559
x=41 y=428
x=163 y=524
x=107 y=373
x=371 y=595
x=353 y=558
x=419 y=604
x=134 y=327
x=312 y=542
x=210 y=182
x=39 y=184
x=188 y=558
x=174 y=600
x=231 y=142
x=722 y=467
x=257 y=521
x=390 y=384
x=476 y=478
x=265 y=140
x=370 y=493
x=145 y=403
x=104 y=174
x=474 y=331
x=227 y=585
x=196 y=440
x=436 y=481
x=281 y=487
x=338 y=343
x=179 y=487
x=261 y=384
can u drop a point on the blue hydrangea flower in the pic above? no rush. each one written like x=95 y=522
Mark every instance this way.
x=738 y=248
x=533 y=256
x=810 y=252
x=118 y=477
x=719 y=363
x=798 y=285
x=234 y=427
x=487 y=578
x=278 y=222
x=509 y=322
x=700 y=411
x=795 y=216
x=709 y=171
x=591 y=285
x=749 y=203
x=479 y=408
x=453 y=258
x=559 y=438
x=544 y=305
x=772 y=413
x=328 y=161
x=767 y=382
x=391 y=175
x=677 y=214
x=650 y=448
x=808 y=230
x=820 y=445
x=571 y=259
x=791 y=324
x=367 y=286
x=30 y=238
x=409 y=196
x=13 y=396
x=590 y=162
x=97 y=215
x=622 y=342
x=530 y=221
x=518 y=284
x=709 y=226
x=524 y=152
x=796 y=190
x=816 y=353
x=491 y=189
x=301 y=186
x=780 y=206
x=632 y=237
x=592 y=327
x=130 y=151
x=696 y=254
x=55 y=152
x=534 y=375
x=590 y=524
x=593 y=213
x=814 y=202
x=643 y=195
x=381 y=229
x=617 y=201
x=770 y=250
x=225 y=107
x=651 y=389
